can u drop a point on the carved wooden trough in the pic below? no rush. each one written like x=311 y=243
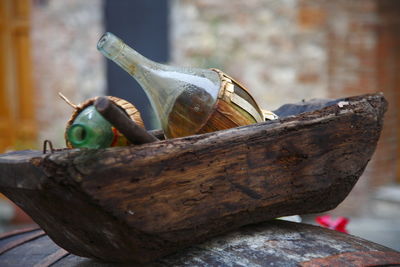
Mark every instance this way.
x=143 y=202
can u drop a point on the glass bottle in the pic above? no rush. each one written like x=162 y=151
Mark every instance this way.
x=187 y=100
x=90 y=130
x=87 y=128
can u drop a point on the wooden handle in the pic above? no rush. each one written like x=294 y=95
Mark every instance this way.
x=133 y=132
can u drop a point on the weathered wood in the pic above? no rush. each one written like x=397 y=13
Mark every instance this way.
x=143 y=202
x=273 y=243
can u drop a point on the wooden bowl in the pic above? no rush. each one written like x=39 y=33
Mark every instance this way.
x=140 y=203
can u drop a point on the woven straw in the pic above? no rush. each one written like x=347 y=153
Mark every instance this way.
x=129 y=109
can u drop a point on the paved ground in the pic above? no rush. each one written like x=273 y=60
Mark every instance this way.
x=380 y=223
x=382 y=231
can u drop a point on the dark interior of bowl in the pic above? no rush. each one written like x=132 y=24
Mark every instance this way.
x=287 y=110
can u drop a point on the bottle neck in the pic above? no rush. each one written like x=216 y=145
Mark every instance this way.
x=138 y=66
x=127 y=58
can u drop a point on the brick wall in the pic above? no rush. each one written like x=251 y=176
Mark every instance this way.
x=364 y=57
x=388 y=77
x=364 y=41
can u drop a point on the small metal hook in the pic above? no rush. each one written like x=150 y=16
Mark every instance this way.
x=45 y=143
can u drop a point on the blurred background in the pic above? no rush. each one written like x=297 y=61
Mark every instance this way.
x=284 y=51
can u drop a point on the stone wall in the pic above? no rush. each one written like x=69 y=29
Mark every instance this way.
x=290 y=50
x=65 y=59
x=258 y=42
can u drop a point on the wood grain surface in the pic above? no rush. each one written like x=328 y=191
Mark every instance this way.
x=143 y=202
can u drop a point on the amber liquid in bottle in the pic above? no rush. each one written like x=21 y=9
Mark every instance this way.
x=188 y=112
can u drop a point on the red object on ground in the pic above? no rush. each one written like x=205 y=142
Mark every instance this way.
x=339 y=224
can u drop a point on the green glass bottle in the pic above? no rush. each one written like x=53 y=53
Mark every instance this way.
x=90 y=130
x=87 y=128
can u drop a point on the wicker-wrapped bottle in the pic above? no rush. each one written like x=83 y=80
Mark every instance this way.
x=88 y=129
x=187 y=100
